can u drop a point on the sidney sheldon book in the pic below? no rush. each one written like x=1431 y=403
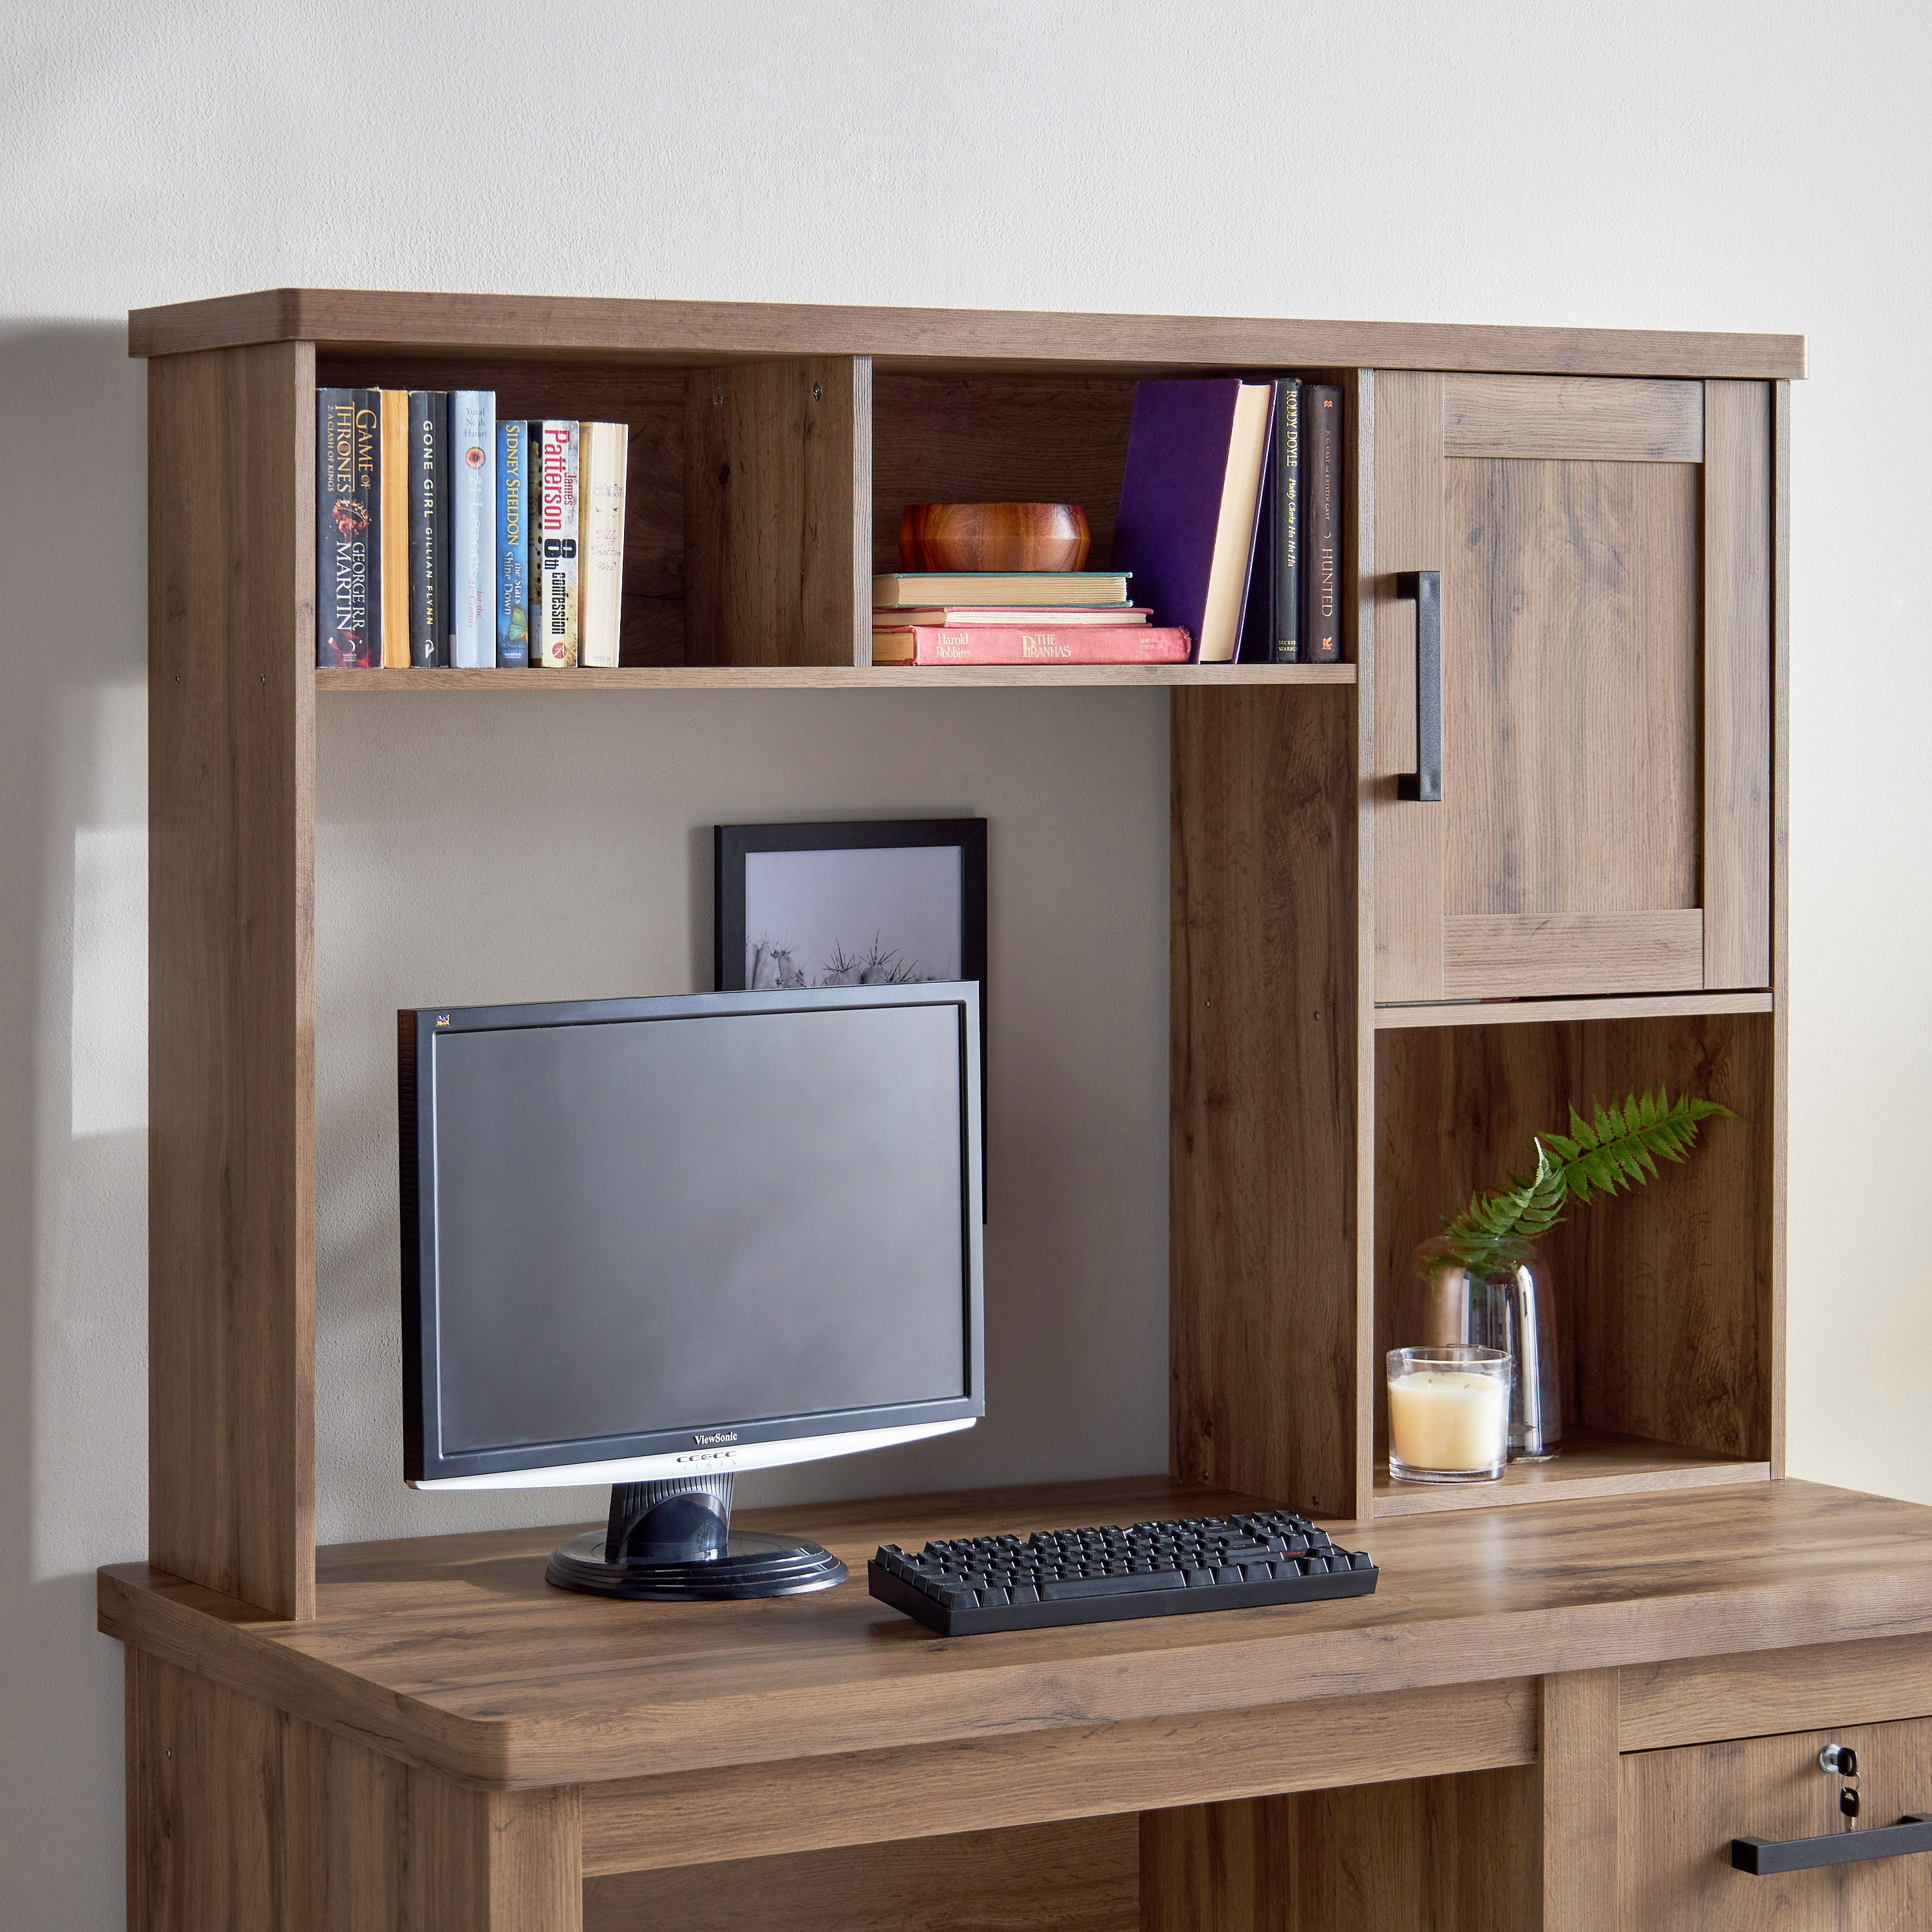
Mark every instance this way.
x=513 y=544
x=429 y=527
x=348 y=559
x=553 y=617
x=472 y=528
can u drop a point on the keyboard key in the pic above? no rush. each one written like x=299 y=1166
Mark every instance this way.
x=1071 y=1587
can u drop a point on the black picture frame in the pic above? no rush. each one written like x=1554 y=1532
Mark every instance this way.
x=734 y=844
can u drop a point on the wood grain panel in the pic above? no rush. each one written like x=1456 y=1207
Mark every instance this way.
x=775 y=453
x=231 y=992
x=1076 y=1771
x=1541 y=1012
x=1451 y=1854
x=1693 y=1700
x=690 y=331
x=448 y=681
x=1569 y=720
x=454 y=1653
x=1409 y=534
x=1081 y=1876
x=1680 y=1809
x=1775 y=1157
x=1673 y=1294
x=1542 y=954
x=1591 y=1464
x=1737 y=673
x=962 y=436
x=240 y=1816
x=1577 y=1773
x=651 y=400
x=1262 y=1080
x=1576 y=417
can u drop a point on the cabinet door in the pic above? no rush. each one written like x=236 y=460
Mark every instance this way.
x=1604 y=554
x=1681 y=1808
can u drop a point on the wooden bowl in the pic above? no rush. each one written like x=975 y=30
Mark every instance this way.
x=993 y=536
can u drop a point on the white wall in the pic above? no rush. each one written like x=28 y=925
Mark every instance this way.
x=1694 y=164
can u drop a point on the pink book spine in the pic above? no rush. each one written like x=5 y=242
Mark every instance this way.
x=997 y=644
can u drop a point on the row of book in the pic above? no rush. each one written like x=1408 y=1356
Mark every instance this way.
x=445 y=535
x=1227 y=537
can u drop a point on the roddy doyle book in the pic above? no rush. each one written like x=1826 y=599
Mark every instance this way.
x=348 y=431
x=513 y=539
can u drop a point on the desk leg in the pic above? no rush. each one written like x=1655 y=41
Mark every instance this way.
x=1580 y=1777
x=241 y=1818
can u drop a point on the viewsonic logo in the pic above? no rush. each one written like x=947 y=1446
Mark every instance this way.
x=715 y=1437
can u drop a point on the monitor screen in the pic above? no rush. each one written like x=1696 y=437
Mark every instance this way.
x=652 y=1220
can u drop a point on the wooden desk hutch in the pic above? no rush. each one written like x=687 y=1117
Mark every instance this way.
x=1571 y=1690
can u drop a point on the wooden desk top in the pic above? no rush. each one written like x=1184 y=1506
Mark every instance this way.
x=453 y=1652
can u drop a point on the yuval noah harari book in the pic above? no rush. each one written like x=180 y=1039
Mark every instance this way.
x=349 y=425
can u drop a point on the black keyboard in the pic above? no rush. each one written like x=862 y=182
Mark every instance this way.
x=1091 y=1576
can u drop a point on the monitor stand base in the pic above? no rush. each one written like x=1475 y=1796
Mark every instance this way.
x=673 y=1542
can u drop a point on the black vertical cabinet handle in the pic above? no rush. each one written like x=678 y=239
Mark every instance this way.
x=1763 y=1858
x=1424 y=784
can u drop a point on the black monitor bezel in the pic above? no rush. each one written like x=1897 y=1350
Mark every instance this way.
x=417 y=1029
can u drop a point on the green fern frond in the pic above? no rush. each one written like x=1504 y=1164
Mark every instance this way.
x=1616 y=1150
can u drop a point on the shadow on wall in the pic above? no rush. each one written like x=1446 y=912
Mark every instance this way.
x=73 y=1098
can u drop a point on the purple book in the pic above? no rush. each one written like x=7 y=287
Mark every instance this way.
x=1178 y=450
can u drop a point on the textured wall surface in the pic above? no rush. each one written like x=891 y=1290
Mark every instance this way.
x=1695 y=164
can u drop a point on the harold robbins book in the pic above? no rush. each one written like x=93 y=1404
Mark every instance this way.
x=348 y=428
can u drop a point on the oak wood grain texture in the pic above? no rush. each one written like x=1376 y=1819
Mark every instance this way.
x=335 y=682
x=1541 y=1012
x=1579 y=418
x=1673 y=1308
x=1358 y=556
x=1073 y=1772
x=1663 y=1294
x=972 y=433
x=1680 y=1809
x=454 y=1653
x=1570 y=609
x=1777 y=1155
x=1592 y=1464
x=231 y=990
x=351 y=319
x=777 y=487
x=1695 y=1700
x=1080 y=1875
x=650 y=400
x=1577 y=1778
x=1737 y=675
x=1409 y=534
x=1262 y=1086
x=242 y=1816
x=1454 y=1854
x=1542 y=954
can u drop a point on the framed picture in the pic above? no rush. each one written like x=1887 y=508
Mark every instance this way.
x=886 y=902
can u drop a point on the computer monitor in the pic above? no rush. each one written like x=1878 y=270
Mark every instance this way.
x=653 y=1242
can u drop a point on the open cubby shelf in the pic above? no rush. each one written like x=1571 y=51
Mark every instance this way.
x=825 y=677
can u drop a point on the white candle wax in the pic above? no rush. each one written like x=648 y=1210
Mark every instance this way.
x=1448 y=1418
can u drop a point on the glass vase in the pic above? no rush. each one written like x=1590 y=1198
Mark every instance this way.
x=1492 y=1294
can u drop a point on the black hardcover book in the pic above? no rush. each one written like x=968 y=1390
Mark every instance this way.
x=348 y=542
x=1285 y=475
x=1321 y=530
x=429 y=527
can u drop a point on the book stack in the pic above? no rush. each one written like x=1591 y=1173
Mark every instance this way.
x=1228 y=516
x=447 y=536
x=1013 y=617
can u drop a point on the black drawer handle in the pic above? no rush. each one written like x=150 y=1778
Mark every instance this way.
x=1424 y=784
x=1762 y=1857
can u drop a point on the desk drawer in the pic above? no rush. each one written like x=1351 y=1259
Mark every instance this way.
x=1681 y=1808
